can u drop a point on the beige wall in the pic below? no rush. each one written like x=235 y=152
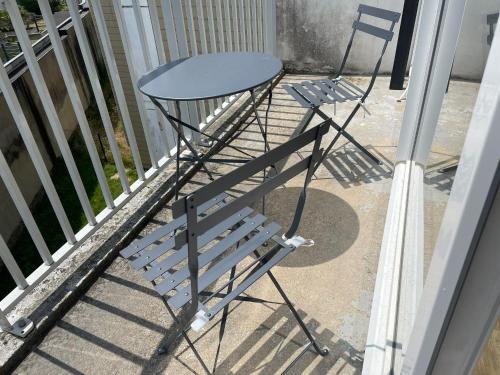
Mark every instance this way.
x=121 y=62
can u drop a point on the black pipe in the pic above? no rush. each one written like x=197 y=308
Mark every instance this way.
x=404 y=44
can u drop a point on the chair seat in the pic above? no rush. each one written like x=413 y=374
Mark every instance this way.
x=324 y=91
x=230 y=243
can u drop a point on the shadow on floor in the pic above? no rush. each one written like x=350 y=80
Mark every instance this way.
x=327 y=219
x=270 y=348
x=351 y=167
x=442 y=175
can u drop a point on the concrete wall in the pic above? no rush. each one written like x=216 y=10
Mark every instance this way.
x=473 y=50
x=313 y=34
x=11 y=143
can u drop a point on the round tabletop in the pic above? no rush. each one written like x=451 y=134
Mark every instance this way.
x=210 y=76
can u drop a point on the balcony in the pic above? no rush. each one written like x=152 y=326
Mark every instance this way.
x=92 y=313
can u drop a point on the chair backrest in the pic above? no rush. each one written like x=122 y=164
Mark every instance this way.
x=188 y=205
x=385 y=34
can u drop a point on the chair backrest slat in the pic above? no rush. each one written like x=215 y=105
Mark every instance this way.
x=253 y=195
x=254 y=166
x=388 y=15
x=376 y=31
x=373 y=30
x=241 y=174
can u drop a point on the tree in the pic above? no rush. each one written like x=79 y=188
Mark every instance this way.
x=31 y=6
x=6 y=25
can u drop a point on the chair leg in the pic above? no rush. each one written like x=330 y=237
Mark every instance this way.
x=321 y=351
x=306 y=120
x=341 y=131
x=179 y=330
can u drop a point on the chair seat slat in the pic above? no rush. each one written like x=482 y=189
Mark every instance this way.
x=184 y=294
x=332 y=93
x=159 y=233
x=318 y=91
x=245 y=284
x=171 y=281
x=158 y=251
x=303 y=102
x=307 y=94
x=341 y=91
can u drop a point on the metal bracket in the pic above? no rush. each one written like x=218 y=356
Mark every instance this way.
x=365 y=107
x=21 y=328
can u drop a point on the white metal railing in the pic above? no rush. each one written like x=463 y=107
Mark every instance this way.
x=190 y=27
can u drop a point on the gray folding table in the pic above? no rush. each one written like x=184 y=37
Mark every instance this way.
x=207 y=77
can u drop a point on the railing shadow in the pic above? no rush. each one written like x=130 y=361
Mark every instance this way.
x=268 y=349
x=276 y=342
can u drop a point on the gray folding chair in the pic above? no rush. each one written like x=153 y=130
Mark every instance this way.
x=213 y=235
x=314 y=94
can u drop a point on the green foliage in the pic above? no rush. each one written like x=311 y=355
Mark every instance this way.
x=32 y=5
x=24 y=249
x=5 y=24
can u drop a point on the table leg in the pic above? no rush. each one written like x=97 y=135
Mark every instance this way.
x=263 y=130
x=177 y=164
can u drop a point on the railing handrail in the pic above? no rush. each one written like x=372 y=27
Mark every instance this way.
x=15 y=64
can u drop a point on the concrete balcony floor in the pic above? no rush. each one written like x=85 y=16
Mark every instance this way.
x=120 y=322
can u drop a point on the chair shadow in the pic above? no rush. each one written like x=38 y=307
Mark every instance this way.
x=278 y=340
x=327 y=219
x=350 y=167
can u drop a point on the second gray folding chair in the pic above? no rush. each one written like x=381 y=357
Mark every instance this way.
x=314 y=94
x=217 y=246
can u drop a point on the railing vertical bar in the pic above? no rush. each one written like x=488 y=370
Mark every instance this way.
x=255 y=31
x=24 y=211
x=236 y=26
x=117 y=8
x=194 y=51
x=112 y=68
x=189 y=114
x=11 y=264
x=160 y=49
x=270 y=27
x=168 y=20
x=229 y=32
x=146 y=53
x=48 y=105
x=74 y=97
x=213 y=35
x=242 y=26
x=203 y=37
x=88 y=59
x=260 y=13
x=136 y=7
x=220 y=25
x=248 y=20
x=173 y=41
x=34 y=152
